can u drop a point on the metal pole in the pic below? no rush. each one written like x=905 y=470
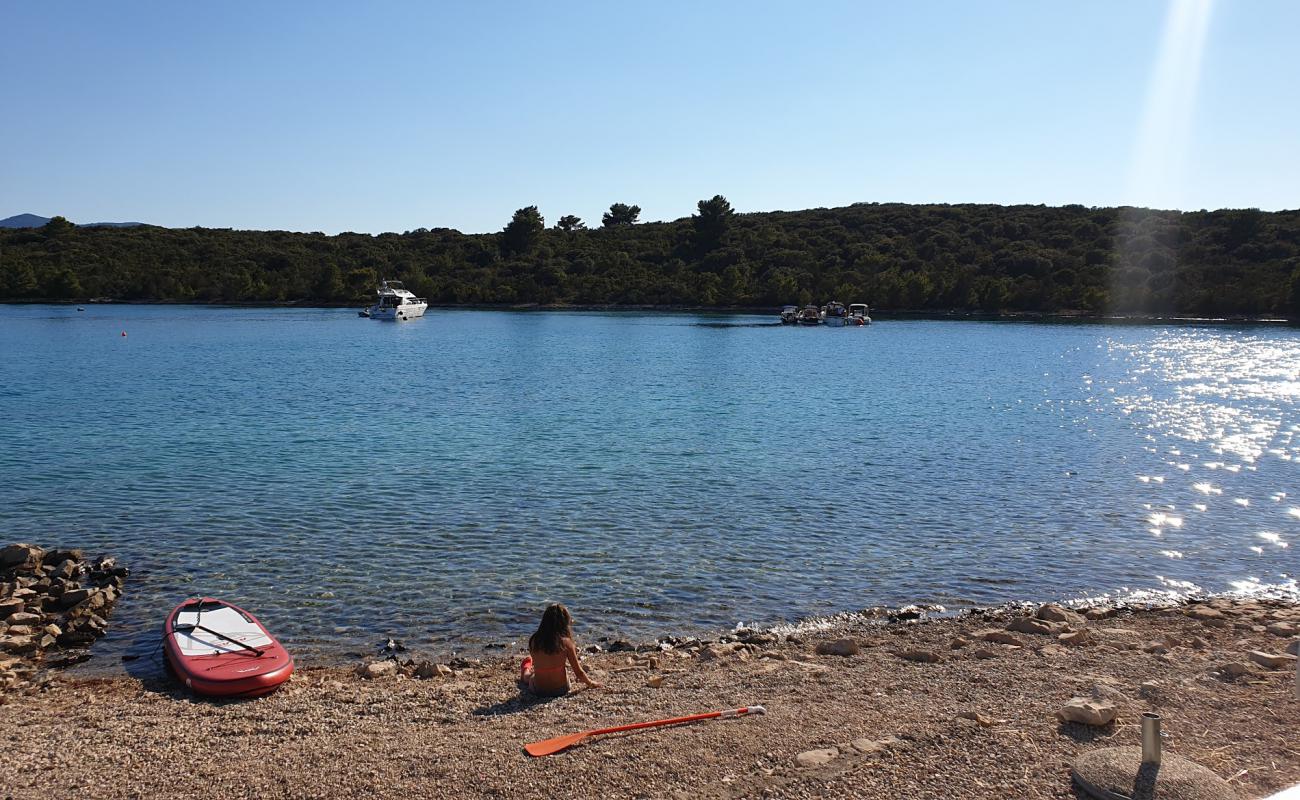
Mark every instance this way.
x=1150 y=738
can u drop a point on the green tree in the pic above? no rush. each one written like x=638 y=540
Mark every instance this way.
x=57 y=226
x=620 y=214
x=570 y=223
x=523 y=232
x=712 y=222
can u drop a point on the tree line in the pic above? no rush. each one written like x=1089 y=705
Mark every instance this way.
x=894 y=256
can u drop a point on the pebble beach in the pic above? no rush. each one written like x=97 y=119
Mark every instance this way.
x=987 y=704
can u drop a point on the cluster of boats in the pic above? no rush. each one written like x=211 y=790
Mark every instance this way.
x=834 y=313
x=395 y=303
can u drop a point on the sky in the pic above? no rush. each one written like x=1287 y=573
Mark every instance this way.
x=391 y=116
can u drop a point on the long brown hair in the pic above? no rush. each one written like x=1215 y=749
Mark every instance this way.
x=556 y=625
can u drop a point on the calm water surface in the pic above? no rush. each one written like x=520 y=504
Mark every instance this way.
x=440 y=480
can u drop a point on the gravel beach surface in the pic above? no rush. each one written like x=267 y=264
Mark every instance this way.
x=947 y=708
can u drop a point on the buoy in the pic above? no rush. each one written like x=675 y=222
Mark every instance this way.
x=124 y=333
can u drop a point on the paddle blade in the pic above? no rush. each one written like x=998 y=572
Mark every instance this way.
x=549 y=746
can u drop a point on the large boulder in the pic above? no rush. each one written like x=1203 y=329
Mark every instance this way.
x=16 y=555
x=1056 y=613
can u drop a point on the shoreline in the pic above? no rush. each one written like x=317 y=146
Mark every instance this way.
x=766 y=311
x=958 y=706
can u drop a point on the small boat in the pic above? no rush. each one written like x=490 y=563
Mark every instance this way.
x=220 y=650
x=396 y=303
x=834 y=313
x=789 y=315
x=810 y=315
x=858 y=315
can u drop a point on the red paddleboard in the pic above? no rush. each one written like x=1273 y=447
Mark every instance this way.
x=219 y=649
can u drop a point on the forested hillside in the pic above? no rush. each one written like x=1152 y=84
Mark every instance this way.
x=916 y=257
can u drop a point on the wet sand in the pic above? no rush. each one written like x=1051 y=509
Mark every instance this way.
x=888 y=726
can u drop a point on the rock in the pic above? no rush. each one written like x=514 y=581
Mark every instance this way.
x=45 y=641
x=1104 y=691
x=1282 y=629
x=1210 y=616
x=1088 y=711
x=1294 y=647
x=817 y=758
x=1035 y=626
x=1052 y=651
x=1149 y=690
x=1055 y=613
x=73 y=597
x=1101 y=612
x=1235 y=669
x=838 y=647
x=1199 y=643
x=958 y=642
x=985 y=653
x=872 y=745
x=444 y=670
x=76 y=639
x=425 y=670
x=980 y=719
x=1076 y=639
x=907 y=613
x=17 y=644
x=377 y=669
x=1002 y=637
x=1270 y=660
x=53 y=630
x=10 y=606
x=19 y=630
x=712 y=652
x=24 y=618
x=655 y=681
x=621 y=646
x=18 y=554
x=923 y=656
x=1155 y=647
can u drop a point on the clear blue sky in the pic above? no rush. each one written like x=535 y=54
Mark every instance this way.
x=392 y=116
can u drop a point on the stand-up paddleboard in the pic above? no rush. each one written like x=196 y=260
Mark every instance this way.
x=219 y=649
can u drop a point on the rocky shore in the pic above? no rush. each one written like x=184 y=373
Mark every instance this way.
x=54 y=605
x=990 y=704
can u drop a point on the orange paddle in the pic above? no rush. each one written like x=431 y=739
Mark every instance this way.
x=549 y=746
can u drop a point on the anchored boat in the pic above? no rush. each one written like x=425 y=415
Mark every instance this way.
x=858 y=314
x=395 y=303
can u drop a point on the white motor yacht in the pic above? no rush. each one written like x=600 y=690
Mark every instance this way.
x=858 y=314
x=834 y=313
x=789 y=315
x=396 y=303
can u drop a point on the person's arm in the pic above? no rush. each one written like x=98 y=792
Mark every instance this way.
x=577 y=665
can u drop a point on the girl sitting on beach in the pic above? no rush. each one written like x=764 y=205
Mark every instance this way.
x=549 y=649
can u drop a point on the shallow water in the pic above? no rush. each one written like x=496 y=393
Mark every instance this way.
x=440 y=480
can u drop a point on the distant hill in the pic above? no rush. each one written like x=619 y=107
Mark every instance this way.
x=24 y=221
x=33 y=221
x=932 y=258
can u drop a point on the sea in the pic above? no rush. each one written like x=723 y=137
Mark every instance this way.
x=439 y=481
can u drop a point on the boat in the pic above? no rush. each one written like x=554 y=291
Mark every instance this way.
x=810 y=315
x=858 y=314
x=396 y=303
x=789 y=315
x=218 y=649
x=834 y=313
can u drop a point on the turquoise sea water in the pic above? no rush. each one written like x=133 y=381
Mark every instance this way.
x=440 y=480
